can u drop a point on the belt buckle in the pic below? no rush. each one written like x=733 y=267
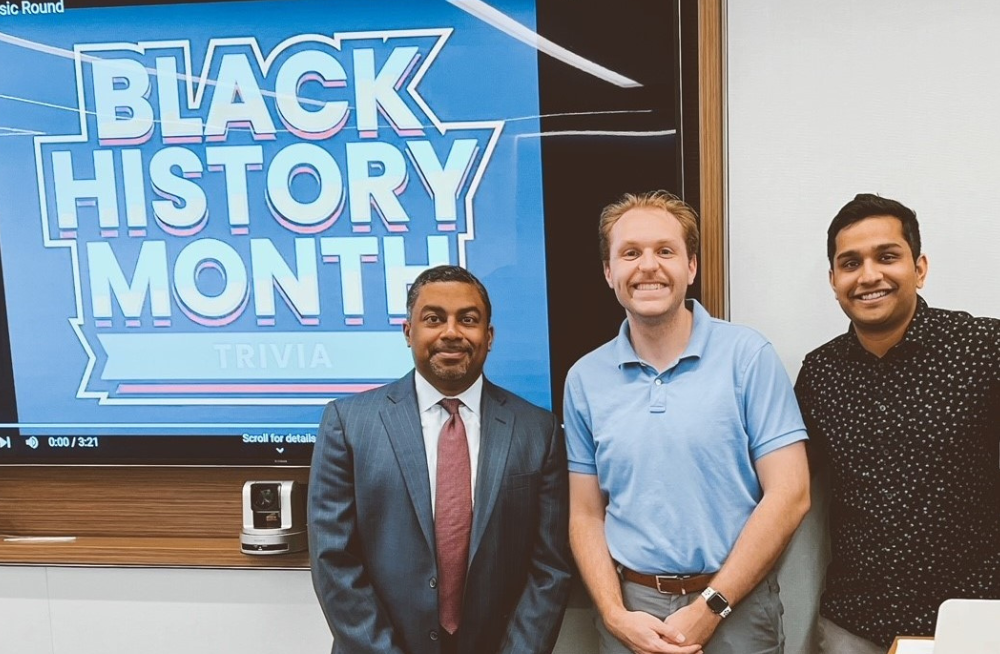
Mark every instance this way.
x=661 y=578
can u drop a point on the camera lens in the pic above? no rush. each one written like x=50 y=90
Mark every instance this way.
x=264 y=497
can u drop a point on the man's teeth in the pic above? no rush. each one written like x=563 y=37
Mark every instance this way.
x=649 y=287
x=875 y=295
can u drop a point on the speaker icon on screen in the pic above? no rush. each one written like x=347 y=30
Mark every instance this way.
x=32 y=443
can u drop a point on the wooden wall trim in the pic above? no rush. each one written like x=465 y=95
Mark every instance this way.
x=710 y=108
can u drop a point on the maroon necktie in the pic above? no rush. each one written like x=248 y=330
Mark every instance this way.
x=452 y=515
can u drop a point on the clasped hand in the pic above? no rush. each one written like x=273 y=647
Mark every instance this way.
x=646 y=634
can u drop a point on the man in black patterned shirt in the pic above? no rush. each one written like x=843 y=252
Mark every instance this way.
x=902 y=412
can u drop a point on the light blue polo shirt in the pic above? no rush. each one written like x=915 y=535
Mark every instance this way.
x=674 y=451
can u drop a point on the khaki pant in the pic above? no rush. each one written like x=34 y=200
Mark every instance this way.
x=837 y=640
x=754 y=626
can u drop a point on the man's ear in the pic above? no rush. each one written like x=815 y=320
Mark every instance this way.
x=406 y=332
x=922 y=267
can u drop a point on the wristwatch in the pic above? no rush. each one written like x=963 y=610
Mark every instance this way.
x=717 y=602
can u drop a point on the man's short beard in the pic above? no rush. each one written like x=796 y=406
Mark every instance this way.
x=450 y=373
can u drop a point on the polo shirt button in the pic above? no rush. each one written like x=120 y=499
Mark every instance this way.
x=433 y=635
x=881 y=407
x=658 y=382
x=433 y=582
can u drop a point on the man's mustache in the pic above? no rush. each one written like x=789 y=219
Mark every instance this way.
x=452 y=350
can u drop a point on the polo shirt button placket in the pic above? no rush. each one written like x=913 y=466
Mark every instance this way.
x=658 y=396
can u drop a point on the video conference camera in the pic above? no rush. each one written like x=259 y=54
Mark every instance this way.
x=274 y=517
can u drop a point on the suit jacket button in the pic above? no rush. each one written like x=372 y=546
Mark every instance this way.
x=433 y=582
x=434 y=635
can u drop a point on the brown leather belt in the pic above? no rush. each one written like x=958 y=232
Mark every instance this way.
x=668 y=584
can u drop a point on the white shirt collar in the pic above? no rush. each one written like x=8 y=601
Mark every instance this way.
x=428 y=396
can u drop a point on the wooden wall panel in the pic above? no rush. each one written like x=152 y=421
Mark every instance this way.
x=711 y=139
x=167 y=515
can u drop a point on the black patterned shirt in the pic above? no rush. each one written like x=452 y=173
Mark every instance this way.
x=910 y=443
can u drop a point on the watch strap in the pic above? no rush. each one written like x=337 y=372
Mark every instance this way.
x=717 y=602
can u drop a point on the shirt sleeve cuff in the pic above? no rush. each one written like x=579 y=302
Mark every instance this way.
x=583 y=468
x=777 y=443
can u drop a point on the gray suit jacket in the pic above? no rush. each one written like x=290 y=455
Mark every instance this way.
x=371 y=530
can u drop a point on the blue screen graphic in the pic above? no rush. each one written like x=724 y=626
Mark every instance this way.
x=210 y=213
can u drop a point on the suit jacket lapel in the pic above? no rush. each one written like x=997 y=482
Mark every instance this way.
x=402 y=422
x=497 y=428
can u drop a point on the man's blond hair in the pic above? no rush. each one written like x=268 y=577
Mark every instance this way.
x=663 y=200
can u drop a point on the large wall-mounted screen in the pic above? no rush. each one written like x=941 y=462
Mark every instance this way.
x=210 y=213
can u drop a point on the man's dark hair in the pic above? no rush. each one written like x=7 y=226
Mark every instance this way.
x=866 y=205
x=446 y=274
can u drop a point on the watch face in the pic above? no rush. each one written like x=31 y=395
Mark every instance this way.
x=717 y=603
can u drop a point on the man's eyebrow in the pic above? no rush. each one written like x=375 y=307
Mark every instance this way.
x=881 y=247
x=433 y=308
x=662 y=241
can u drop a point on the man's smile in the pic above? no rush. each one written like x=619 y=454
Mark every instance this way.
x=873 y=296
x=452 y=353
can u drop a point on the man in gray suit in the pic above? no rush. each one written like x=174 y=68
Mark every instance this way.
x=438 y=503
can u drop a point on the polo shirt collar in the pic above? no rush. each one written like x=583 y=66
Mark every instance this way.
x=700 y=328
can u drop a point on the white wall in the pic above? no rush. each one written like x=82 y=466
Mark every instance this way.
x=158 y=611
x=829 y=99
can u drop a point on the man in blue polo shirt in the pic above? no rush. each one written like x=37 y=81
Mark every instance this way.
x=687 y=462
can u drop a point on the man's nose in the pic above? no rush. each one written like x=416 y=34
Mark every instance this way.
x=870 y=271
x=647 y=261
x=451 y=329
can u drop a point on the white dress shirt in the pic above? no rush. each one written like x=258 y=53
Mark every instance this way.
x=432 y=419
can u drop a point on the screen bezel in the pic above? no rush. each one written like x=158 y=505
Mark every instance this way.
x=569 y=201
